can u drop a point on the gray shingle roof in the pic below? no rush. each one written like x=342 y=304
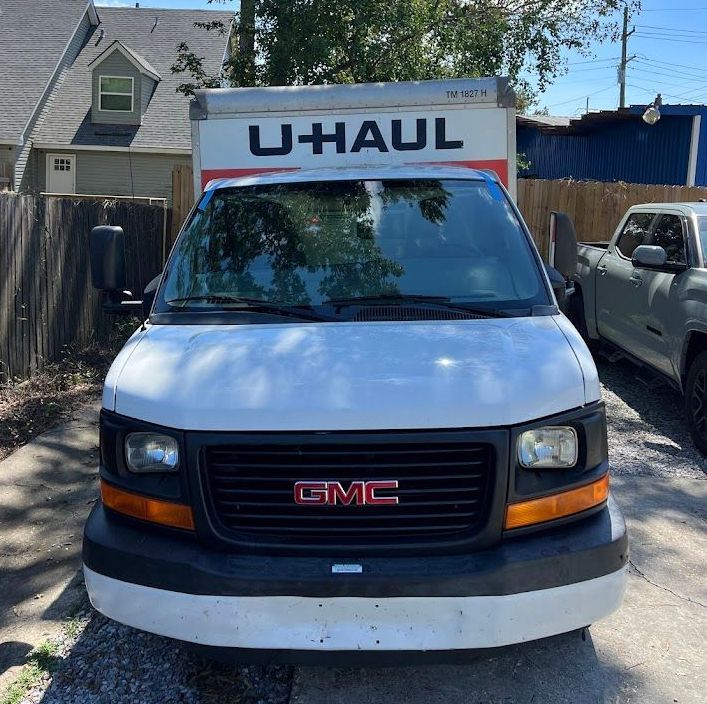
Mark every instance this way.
x=145 y=65
x=165 y=124
x=33 y=36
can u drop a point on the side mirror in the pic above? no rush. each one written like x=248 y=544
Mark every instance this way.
x=649 y=256
x=148 y=295
x=107 y=250
x=108 y=271
x=563 y=244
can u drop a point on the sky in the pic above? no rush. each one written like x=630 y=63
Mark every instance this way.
x=669 y=45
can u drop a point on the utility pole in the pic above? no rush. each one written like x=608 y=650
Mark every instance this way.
x=625 y=34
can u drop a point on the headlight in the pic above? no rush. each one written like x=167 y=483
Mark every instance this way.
x=551 y=447
x=151 y=452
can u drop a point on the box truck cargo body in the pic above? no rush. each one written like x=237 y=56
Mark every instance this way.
x=354 y=420
x=455 y=122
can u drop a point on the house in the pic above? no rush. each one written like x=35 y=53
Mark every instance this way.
x=88 y=99
x=617 y=145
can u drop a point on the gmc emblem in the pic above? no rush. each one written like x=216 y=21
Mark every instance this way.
x=359 y=493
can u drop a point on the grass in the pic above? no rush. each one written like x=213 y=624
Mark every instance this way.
x=41 y=663
x=45 y=659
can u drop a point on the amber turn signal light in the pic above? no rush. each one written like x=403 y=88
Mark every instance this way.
x=165 y=513
x=549 y=508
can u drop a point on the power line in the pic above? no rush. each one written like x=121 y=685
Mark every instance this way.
x=593 y=61
x=652 y=90
x=675 y=9
x=671 y=29
x=669 y=64
x=581 y=97
x=674 y=74
x=667 y=39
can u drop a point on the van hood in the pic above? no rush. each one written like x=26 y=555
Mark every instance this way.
x=347 y=376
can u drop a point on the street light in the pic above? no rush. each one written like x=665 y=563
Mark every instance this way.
x=652 y=113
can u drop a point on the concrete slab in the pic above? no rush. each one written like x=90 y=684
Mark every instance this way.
x=47 y=488
x=652 y=650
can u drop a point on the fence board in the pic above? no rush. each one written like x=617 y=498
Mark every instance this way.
x=596 y=208
x=182 y=197
x=46 y=299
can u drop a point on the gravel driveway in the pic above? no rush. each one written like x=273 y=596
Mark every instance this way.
x=112 y=663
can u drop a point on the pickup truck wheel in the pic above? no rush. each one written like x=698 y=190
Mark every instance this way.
x=696 y=401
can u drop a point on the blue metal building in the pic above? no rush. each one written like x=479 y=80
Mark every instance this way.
x=618 y=145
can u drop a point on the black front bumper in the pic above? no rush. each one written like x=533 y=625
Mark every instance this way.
x=567 y=554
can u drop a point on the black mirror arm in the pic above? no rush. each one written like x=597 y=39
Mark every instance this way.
x=115 y=304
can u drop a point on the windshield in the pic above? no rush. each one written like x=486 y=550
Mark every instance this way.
x=308 y=244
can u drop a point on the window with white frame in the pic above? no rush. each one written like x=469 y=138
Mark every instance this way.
x=116 y=93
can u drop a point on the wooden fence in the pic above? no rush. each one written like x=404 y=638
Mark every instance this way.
x=596 y=208
x=46 y=299
x=182 y=196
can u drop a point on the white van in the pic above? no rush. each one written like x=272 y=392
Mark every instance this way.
x=354 y=419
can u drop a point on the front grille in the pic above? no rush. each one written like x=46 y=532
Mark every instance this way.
x=444 y=490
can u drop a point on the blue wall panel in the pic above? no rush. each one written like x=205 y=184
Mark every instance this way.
x=618 y=150
x=692 y=110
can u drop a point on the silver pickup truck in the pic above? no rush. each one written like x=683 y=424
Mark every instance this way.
x=645 y=292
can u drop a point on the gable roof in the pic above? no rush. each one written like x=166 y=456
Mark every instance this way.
x=33 y=37
x=165 y=123
x=134 y=58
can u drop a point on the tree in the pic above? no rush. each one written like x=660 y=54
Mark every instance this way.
x=291 y=42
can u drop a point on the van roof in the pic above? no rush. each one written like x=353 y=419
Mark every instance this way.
x=359 y=173
x=209 y=103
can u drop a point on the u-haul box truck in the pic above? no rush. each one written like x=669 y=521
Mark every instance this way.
x=461 y=122
x=354 y=421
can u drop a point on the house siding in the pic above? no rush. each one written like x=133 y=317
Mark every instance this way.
x=7 y=164
x=108 y=173
x=117 y=65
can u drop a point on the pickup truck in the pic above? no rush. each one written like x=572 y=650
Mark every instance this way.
x=354 y=420
x=645 y=293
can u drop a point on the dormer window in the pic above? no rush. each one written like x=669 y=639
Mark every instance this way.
x=122 y=85
x=116 y=93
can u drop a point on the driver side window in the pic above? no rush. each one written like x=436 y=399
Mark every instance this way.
x=635 y=233
x=668 y=234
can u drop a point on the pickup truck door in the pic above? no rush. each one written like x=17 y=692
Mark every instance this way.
x=658 y=328
x=617 y=297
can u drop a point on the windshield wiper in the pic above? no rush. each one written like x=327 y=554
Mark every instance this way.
x=256 y=304
x=437 y=301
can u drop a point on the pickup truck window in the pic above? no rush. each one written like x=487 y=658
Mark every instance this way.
x=668 y=234
x=702 y=229
x=304 y=244
x=635 y=233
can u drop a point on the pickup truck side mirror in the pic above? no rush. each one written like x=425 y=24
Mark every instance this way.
x=108 y=271
x=651 y=256
x=563 y=244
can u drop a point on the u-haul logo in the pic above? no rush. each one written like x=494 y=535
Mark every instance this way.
x=415 y=135
x=241 y=145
